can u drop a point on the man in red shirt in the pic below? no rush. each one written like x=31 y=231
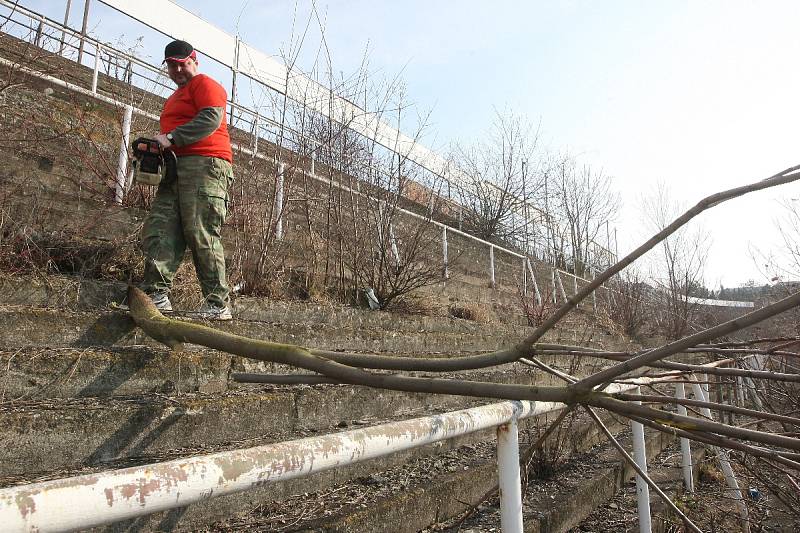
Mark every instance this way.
x=188 y=211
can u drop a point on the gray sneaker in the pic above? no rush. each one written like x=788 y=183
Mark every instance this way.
x=160 y=300
x=209 y=311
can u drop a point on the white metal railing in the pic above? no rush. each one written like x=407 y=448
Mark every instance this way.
x=103 y=498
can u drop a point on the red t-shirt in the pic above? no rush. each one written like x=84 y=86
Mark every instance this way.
x=200 y=92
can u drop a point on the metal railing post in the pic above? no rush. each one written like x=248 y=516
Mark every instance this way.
x=122 y=161
x=38 y=37
x=254 y=141
x=524 y=278
x=734 y=492
x=536 y=290
x=64 y=31
x=234 y=71
x=84 y=27
x=446 y=266
x=395 y=249
x=98 y=49
x=279 y=202
x=686 y=447
x=561 y=285
x=492 y=281
x=642 y=489
x=509 y=478
x=740 y=392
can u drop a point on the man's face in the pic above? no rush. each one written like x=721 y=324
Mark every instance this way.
x=181 y=73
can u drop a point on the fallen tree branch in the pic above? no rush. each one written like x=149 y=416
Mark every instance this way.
x=174 y=333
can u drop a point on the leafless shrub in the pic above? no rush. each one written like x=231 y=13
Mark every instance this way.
x=536 y=312
x=623 y=302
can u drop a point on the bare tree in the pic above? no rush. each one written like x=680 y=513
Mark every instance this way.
x=678 y=270
x=498 y=180
x=580 y=202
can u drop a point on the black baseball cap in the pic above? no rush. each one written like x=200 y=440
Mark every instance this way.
x=179 y=51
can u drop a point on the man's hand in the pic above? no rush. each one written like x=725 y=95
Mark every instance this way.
x=163 y=141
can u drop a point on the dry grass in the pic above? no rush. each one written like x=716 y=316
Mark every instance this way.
x=471 y=311
x=416 y=304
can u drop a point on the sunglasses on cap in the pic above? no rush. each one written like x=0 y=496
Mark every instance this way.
x=193 y=56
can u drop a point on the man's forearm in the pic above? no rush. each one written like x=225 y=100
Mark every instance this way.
x=201 y=126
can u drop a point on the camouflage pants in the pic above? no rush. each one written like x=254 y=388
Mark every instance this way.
x=189 y=212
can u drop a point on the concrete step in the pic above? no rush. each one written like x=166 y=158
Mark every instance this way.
x=25 y=326
x=616 y=514
x=553 y=505
x=77 y=294
x=90 y=431
x=461 y=463
x=36 y=373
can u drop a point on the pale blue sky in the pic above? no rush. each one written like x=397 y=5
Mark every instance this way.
x=702 y=95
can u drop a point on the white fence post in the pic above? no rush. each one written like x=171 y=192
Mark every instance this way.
x=446 y=269
x=254 y=143
x=84 y=28
x=561 y=285
x=509 y=478
x=524 y=278
x=279 y=202
x=64 y=31
x=734 y=492
x=491 y=266
x=740 y=399
x=395 y=249
x=234 y=72
x=686 y=448
x=98 y=49
x=122 y=161
x=642 y=489
x=535 y=284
